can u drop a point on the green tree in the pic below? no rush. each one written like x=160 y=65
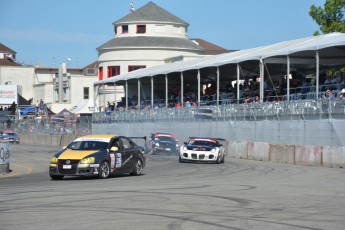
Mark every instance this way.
x=330 y=18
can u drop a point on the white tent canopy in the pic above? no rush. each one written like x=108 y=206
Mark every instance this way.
x=279 y=49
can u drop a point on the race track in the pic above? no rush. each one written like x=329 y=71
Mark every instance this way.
x=239 y=194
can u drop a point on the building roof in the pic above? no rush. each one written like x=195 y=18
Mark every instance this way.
x=151 y=42
x=151 y=13
x=210 y=48
x=8 y=62
x=5 y=49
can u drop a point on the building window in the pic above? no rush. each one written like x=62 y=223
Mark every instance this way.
x=135 y=67
x=141 y=29
x=115 y=30
x=113 y=71
x=100 y=73
x=125 y=29
x=86 y=92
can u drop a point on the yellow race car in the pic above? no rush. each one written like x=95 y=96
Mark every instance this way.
x=98 y=155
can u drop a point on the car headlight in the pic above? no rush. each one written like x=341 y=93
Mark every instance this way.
x=88 y=160
x=157 y=144
x=213 y=150
x=53 y=160
x=184 y=148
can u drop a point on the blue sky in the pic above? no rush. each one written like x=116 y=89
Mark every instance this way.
x=47 y=32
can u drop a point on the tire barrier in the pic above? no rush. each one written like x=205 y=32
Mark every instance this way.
x=4 y=157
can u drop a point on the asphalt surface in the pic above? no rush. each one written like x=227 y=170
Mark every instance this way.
x=239 y=194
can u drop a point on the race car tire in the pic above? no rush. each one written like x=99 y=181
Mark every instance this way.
x=56 y=177
x=104 y=170
x=223 y=160
x=218 y=160
x=180 y=159
x=137 y=168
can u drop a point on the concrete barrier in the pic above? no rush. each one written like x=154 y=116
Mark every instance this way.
x=282 y=154
x=4 y=157
x=237 y=149
x=308 y=155
x=333 y=157
x=258 y=151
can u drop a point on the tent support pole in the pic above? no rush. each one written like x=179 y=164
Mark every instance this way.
x=198 y=87
x=317 y=74
x=182 y=89
x=126 y=95
x=288 y=79
x=218 y=85
x=238 y=83
x=138 y=94
x=262 y=80
x=152 y=99
x=166 y=91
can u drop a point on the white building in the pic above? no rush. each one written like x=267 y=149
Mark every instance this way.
x=146 y=37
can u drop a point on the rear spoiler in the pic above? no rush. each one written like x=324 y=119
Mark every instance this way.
x=210 y=138
x=144 y=137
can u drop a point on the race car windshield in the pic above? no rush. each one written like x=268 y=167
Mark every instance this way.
x=88 y=145
x=164 y=138
x=203 y=143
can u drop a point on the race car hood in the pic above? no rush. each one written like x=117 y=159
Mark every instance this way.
x=70 y=154
x=199 y=148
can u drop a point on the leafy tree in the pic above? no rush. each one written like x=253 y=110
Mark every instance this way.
x=330 y=18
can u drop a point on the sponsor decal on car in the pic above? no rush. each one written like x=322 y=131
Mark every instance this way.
x=126 y=161
x=118 y=160
x=94 y=139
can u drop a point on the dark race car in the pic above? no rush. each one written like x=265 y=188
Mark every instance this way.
x=202 y=149
x=99 y=155
x=10 y=136
x=162 y=143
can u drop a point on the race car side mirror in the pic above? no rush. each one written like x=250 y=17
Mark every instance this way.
x=220 y=145
x=185 y=143
x=114 y=148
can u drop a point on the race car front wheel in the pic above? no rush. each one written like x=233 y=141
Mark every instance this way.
x=104 y=170
x=137 y=168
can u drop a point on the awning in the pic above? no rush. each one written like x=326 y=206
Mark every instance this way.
x=279 y=49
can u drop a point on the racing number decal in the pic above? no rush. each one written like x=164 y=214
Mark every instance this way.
x=112 y=160
x=4 y=156
x=118 y=160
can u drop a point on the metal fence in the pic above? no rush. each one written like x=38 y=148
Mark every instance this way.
x=304 y=122
x=301 y=109
x=47 y=125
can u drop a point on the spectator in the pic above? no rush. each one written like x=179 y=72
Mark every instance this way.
x=188 y=105
x=247 y=99
x=341 y=95
x=257 y=99
x=329 y=95
x=178 y=105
